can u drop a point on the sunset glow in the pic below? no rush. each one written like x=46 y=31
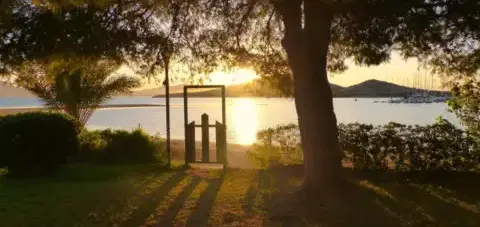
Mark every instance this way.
x=397 y=70
x=235 y=77
x=245 y=120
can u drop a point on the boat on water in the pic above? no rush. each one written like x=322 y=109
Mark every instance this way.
x=422 y=91
x=420 y=99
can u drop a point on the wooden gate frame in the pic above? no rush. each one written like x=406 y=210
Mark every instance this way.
x=221 y=132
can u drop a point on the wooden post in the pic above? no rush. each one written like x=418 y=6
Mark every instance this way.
x=190 y=153
x=224 y=112
x=185 y=120
x=205 y=139
x=167 y=102
x=224 y=123
x=220 y=141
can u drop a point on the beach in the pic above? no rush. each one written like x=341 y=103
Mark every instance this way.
x=236 y=153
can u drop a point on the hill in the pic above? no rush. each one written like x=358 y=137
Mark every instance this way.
x=251 y=89
x=336 y=89
x=377 y=88
x=9 y=91
x=369 y=88
x=374 y=88
x=237 y=90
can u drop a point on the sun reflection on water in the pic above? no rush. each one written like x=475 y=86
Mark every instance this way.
x=244 y=120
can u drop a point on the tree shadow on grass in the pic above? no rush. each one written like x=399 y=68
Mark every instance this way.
x=201 y=215
x=168 y=218
x=447 y=199
x=251 y=195
x=464 y=186
x=376 y=199
x=356 y=207
x=150 y=203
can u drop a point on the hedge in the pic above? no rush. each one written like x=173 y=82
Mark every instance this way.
x=440 y=146
x=33 y=144
x=120 y=147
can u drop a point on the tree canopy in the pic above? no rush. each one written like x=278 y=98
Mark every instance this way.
x=48 y=30
x=466 y=104
x=209 y=34
x=443 y=34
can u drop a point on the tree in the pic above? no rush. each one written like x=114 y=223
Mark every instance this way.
x=76 y=87
x=293 y=43
x=465 y=103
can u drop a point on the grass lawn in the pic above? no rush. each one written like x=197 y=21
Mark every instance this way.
x=146 y=195
x=81 y=196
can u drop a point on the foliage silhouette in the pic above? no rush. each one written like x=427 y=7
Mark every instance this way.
x=36 y=144
x=120 y=146
x=465 y=104
x=77 y=87
x=291 y=43
x=437 y=147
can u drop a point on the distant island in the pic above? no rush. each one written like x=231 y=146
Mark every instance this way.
x=366 y=89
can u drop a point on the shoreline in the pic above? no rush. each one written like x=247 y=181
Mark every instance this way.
x=236 y=153
x=16 y=110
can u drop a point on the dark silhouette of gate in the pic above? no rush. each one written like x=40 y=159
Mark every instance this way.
x=220 y=132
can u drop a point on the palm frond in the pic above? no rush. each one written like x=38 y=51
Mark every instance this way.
x=75 y=87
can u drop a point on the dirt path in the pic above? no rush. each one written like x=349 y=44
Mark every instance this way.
x=236 y=154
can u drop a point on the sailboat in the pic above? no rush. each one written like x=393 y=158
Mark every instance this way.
x=421 y=93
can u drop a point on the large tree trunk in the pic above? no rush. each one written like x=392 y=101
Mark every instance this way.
x=307 y=50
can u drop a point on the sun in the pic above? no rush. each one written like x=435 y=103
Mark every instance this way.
x=236 y=77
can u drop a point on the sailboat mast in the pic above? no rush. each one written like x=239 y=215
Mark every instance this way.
x=433 y=84
x=425 y=85
x=413 y=85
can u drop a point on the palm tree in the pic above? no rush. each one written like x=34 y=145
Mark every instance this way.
x=77 y=87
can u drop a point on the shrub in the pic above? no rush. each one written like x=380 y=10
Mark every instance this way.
x=465 y=103
x=440 y=146
x=92 y=145
x=35 y=144
x=357 y=142
x=279 y=145
x=120 y=146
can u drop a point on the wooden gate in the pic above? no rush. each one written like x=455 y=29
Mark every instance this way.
x=220 y=134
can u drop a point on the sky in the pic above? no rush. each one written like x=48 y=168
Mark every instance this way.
x=397 y=70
